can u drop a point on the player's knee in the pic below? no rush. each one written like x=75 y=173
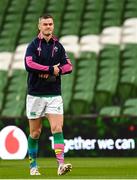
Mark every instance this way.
x=35 y=134
x=56 y=129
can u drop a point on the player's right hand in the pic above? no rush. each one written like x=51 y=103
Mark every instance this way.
x=45 y=76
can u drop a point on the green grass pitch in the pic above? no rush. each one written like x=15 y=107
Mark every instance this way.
x=83 y=168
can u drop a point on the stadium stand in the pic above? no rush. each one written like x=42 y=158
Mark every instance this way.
x=70 y=43
x=56 y=9
x=72 y=18
x=3 y=6
x=114 y=111
x=99 y=36
x=14 y=101
x=68 y=82
x=130 y=107
x=3 y=81
x=4 y=67
x=30 y=19
x=13 y=18
x=130 y=9
x=92 y=17
x=85 y=83
x=128 y=78
x=108 y=76
x=113 y=13
x=87 y=41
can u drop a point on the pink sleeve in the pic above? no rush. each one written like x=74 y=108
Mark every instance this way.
x=33 y=65
x=66 y=68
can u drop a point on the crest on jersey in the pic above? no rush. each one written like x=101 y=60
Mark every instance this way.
x=55 y=48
